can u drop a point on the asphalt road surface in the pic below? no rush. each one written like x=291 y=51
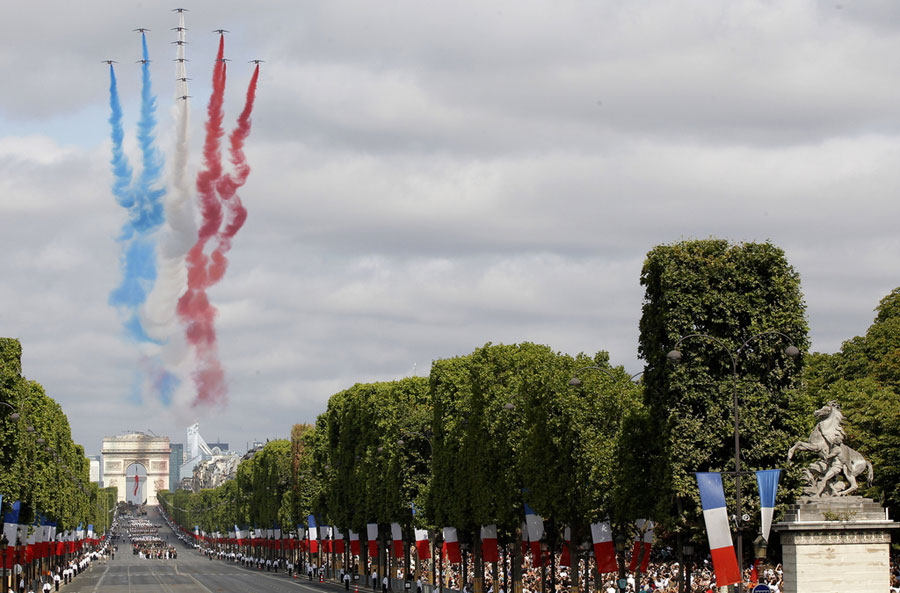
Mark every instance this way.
x=190 y=573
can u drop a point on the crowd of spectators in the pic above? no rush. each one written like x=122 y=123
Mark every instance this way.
x=663 y=575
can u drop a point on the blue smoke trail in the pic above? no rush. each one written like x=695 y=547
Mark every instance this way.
x=121 y=168
x=144 y=204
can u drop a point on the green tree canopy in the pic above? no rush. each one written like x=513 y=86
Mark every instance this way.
x=864 y=376
x=732 y=293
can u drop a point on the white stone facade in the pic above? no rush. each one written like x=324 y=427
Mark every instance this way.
x=152 y=452
x=835 y=545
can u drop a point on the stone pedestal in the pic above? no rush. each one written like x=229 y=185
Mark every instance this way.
x=835 y=545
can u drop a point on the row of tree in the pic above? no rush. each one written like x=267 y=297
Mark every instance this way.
x=40 y=465
x=486 y=433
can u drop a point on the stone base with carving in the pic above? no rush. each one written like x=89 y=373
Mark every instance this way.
x=835 y=545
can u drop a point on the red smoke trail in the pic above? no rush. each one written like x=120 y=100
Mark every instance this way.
x=228 y=185
x=194 y=308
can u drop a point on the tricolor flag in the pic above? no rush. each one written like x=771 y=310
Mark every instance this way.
x=535 y=525
x=338 y=541
x=767 y=479
x=423 y=550
x=397 y=540
x=712 y=497
x=325 y=534
x=11 y=524
x=566 y=558
x=354 y=543
x=646 y=527
x=489 y=551
x=451 y=545
x=604 y=550
x=30 y=543
x=313 y=535
x=372 y=536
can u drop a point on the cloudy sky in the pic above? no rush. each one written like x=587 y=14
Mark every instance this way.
x=430 y=176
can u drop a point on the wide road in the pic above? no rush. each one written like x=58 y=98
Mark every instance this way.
x=190 y=573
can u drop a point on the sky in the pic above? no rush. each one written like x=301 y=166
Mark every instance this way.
x=428 y=177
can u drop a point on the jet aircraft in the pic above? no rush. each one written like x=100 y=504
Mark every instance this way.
x=178 y=29
x=220 y=31
x=180 y=10
x=109 y=61
x=184 y=97
x=140 y=30
x=256 y=61
x=179 y=42
x=142 y=62
x=181 y=60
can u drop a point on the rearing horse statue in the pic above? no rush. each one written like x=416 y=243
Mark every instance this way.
x=835 y=458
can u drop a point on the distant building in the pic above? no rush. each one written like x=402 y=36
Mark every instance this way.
x=176 y=460
x=223 y=447
x=96 y=470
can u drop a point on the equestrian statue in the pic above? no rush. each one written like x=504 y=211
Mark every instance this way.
x=835 y=459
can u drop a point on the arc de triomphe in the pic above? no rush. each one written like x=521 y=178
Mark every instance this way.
x=137 y=465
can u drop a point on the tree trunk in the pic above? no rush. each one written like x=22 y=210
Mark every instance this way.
x=478 y=563
x=516 y=563
x=573 y=564
x=364 y=557
x=552 y=549
x=495 y=575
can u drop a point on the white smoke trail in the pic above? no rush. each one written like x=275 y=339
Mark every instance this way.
x=180 y=231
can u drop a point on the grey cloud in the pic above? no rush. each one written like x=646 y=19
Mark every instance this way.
x=427 y=178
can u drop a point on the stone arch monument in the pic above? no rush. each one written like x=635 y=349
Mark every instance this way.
x=137 y=464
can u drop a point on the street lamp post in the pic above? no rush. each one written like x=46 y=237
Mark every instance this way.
x=687 y=551
x=4 y=543
x=619 y=544
x=676 y=356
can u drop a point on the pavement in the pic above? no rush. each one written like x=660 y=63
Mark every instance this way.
x=190 y=573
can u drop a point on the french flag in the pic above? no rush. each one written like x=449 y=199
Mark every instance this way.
x=313 y=535
x=535 y=525
x=565 y=558
x=354 y=543
x=423 y=550
x=489 y=551
x=372 y=535
x=397 y=540
x=604 y=550
x=338 y=541
x=712 y=498
x=10 y=529
x=451 y=545
x=325 y=532
x=646 y=527
x=767 y=480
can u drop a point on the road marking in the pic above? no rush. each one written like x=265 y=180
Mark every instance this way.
x=199 y=583
x=103 y=576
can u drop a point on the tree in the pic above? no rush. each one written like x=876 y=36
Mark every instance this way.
x=864 y=376
x=730 y=292
x=49 y=477
x=508 y=429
